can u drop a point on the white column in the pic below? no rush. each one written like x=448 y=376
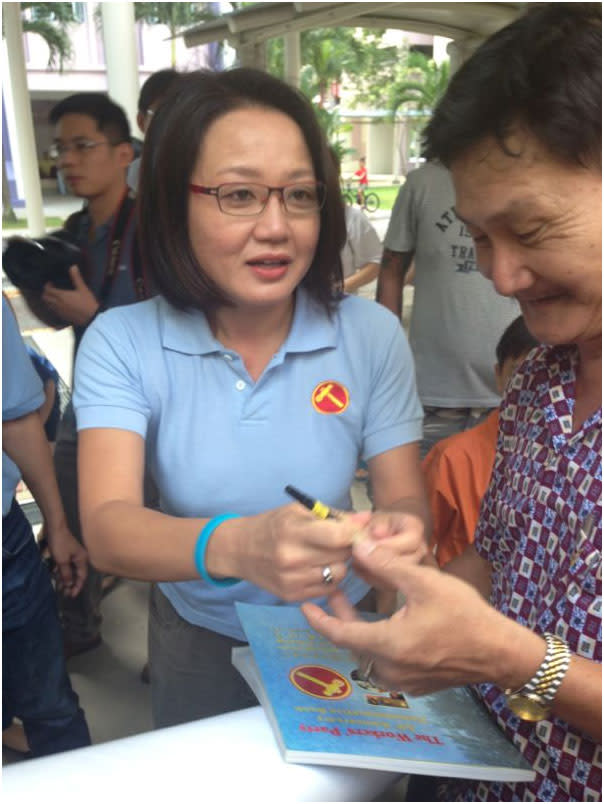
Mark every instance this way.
x=251 y=54
x=380 y=135
x=121 y=57
x=291 y=47
x=460 y=50
x=24 y=125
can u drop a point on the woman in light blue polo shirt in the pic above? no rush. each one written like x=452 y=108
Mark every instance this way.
x=249 y=371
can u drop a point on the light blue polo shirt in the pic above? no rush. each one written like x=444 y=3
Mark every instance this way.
x=339 y=387
x=22 y=393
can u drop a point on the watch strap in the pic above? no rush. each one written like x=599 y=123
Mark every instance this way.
x=550 y=673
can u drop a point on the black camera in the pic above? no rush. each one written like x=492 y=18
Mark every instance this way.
x=30 y=264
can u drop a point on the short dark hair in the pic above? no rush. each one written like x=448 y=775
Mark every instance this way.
x=110 y=118
x=155 y=87
x=515 y=342
x=172 y=145
x=543 y=71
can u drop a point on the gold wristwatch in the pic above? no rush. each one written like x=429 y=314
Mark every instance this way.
x=533 y=701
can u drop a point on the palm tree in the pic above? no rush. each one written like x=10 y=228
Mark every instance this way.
x=175 y=16
x=50 y=21
x=423 y=85
x=418 y=91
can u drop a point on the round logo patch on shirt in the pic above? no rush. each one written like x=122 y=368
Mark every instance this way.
x=330 y=397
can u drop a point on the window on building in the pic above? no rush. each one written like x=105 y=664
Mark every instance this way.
x=79 y=11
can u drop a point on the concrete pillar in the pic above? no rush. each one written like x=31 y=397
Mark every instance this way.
x=399 y=149
x=25 y=143
x=251 y=54
x=380 y=134
x=121 y=57
x=291 y=43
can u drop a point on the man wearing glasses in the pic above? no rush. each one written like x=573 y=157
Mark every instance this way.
x=92 y=148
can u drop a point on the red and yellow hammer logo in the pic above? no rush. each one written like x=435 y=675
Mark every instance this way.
x=320 y=682
x=330 y=397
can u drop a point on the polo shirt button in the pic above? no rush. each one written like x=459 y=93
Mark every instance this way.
x=240 y=385
x=228 y=357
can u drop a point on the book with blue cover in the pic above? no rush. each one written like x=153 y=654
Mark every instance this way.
x=322 y=713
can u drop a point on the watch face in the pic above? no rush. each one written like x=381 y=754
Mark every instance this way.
x=528 y=707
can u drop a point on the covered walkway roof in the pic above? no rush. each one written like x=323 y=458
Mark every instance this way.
x=262 y=21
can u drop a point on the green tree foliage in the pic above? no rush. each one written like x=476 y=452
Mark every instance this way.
x=51 y=21
x=415 y=92
x=343 y=57
x=349 y=56
x=330 y=122
x=175 y=16
x=372 y=74
x=421 y=86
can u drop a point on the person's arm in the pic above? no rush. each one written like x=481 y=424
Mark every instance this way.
x=398 y=488
x=391 y=279
x=282 y=550
x=448 y=635
x=473 y=569
x=25 y=443
x=397 y=483
x=367 y=273
x=50 y=391
x=365 y=247
x=442 y=476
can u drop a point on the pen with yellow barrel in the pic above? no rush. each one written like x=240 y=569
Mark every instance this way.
x=319 y=509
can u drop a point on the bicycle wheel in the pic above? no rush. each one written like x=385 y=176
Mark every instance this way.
x=372 y=202
x=348 y=197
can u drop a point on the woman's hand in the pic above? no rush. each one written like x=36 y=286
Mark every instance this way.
x=286 y=550
x=405 y=535
x=445 y=635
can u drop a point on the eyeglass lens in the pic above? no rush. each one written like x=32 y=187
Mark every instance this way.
x=81 y=147
x=250 y=199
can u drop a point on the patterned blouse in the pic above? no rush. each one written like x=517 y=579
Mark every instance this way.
x=541 y=530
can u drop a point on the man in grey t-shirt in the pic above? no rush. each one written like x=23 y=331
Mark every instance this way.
x=457 y=317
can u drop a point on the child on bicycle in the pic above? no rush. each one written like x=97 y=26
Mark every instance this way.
x=363 y=178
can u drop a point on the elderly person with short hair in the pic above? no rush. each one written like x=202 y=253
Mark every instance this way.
x=519 y=613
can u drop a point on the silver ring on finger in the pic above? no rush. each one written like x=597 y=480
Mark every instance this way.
x=327 y=575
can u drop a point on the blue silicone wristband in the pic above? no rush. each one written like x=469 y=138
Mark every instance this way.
x=202 y=545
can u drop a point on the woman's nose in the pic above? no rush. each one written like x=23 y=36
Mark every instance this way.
x=272 y=221
x=507 y=269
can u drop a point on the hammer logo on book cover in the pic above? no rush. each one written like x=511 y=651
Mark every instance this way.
x=320 y=682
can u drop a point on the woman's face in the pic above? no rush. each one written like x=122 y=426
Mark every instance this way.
x=259 y=260
x=537 y=227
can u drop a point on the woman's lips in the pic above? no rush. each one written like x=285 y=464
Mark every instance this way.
x=270 y=269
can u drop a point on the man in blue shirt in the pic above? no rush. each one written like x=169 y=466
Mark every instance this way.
x=35 y=684
x=93 y=149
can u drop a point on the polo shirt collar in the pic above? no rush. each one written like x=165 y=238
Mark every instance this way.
x=100 y=232
x=188 y=331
